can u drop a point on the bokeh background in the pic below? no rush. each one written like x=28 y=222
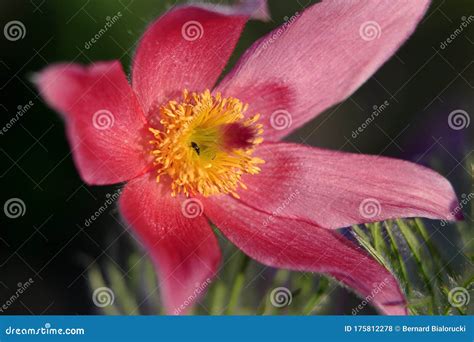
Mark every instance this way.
x=423 y=83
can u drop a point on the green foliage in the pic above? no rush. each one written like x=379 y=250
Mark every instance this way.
x=410 y=250
x=243 y=287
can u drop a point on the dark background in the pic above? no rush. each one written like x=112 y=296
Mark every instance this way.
x=50 y=243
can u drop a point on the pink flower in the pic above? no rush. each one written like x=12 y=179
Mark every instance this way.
x=190 y=156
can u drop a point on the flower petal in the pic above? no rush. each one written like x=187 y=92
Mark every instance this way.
x=319 y=58
x=335 y=189
x=185 y=48
x=180 y=241
x=103 y=119
x=287 y=243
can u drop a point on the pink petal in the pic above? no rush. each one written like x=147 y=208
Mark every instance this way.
x=176 y=235
x=287 y=243
x=103 y=119
x=319 y=58
x=185 y=48
x=335 y=189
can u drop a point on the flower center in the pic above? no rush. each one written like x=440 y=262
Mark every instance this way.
x=206 y=144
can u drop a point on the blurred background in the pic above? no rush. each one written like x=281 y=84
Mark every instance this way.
x=428 y=79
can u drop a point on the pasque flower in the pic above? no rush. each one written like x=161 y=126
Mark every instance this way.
x=192 y=151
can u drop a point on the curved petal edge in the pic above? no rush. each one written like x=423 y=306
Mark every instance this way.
x=287 y=243
x=334 y=189
x=318 y=58
x=104 y=121
x=177 y=237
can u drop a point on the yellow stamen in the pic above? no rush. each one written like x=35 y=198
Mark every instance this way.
x=197 y=146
